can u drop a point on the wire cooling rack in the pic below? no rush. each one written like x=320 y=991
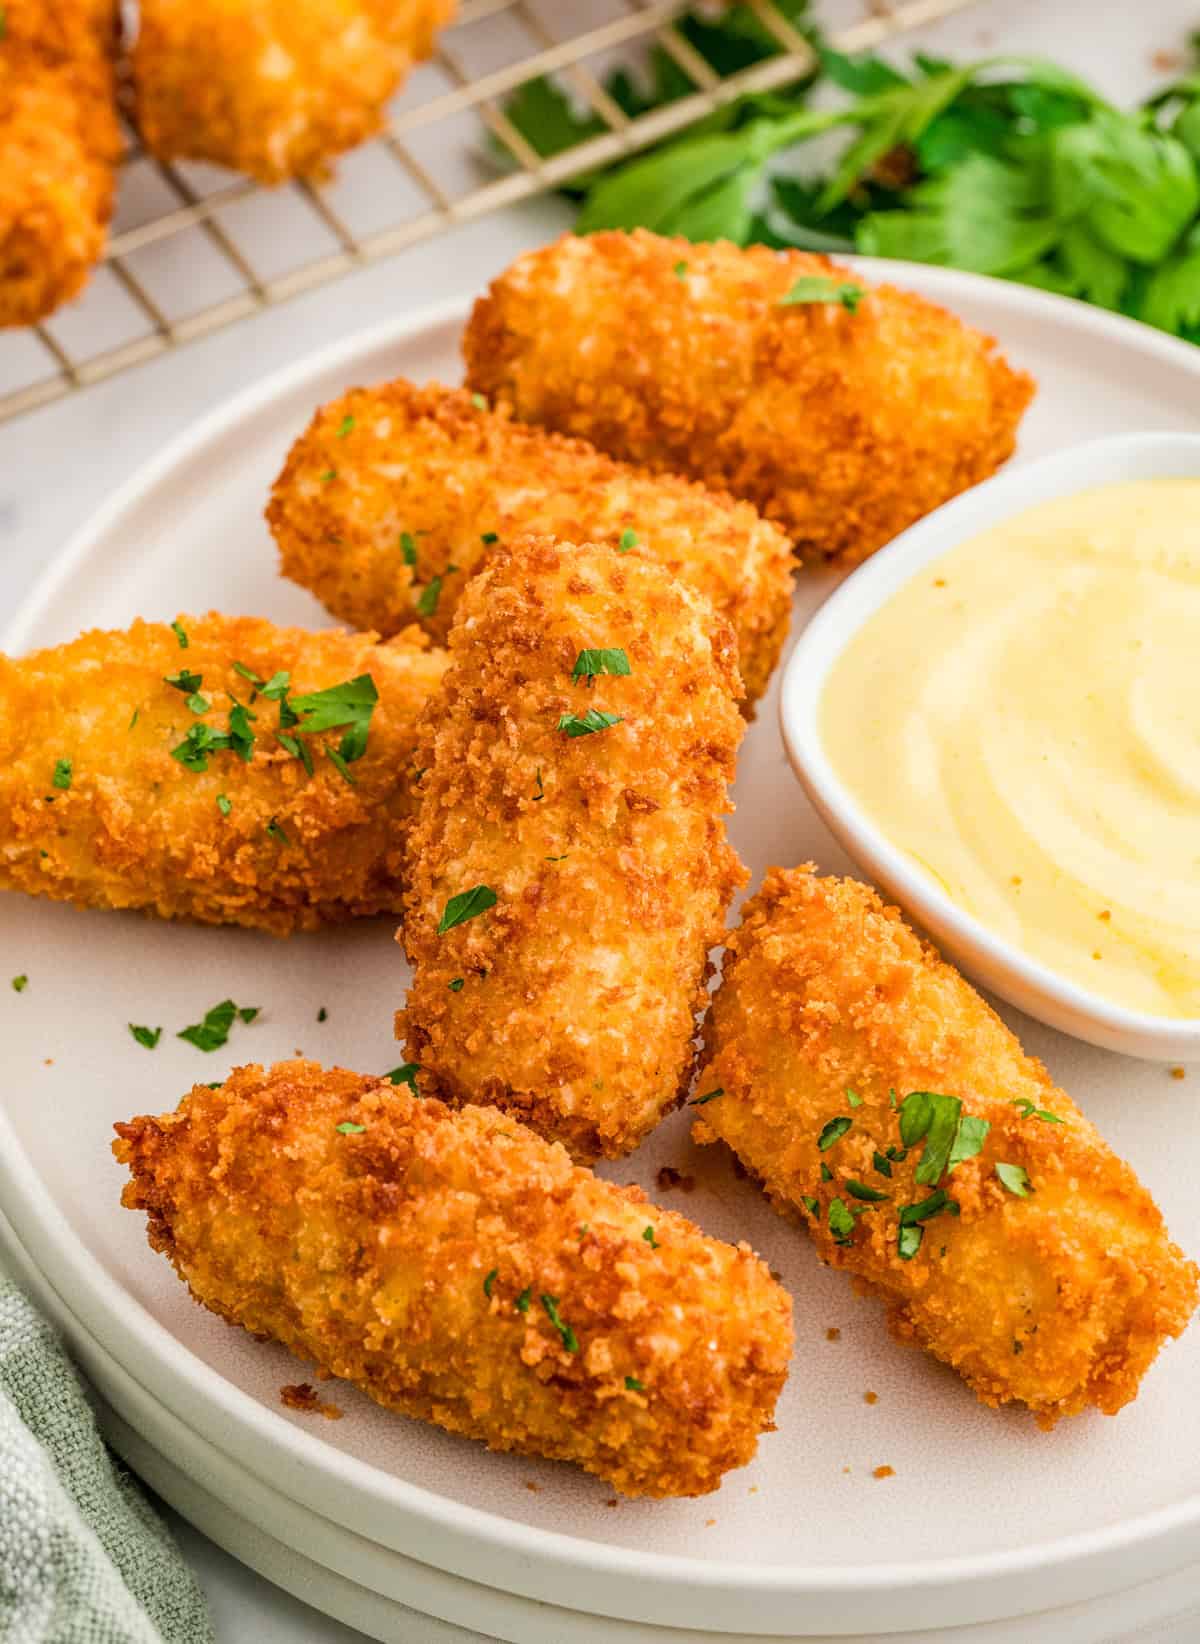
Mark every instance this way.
x=195 y=248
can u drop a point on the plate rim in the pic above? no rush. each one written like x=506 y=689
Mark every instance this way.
x=231 y=1416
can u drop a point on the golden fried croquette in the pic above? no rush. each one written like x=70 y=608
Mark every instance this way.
x=1038 y=1266
x=59 y=145
x=459 y=1269
x=130 y=777
x=425 y=480
x=569 y=869
x=843 y=426
x=273 y=88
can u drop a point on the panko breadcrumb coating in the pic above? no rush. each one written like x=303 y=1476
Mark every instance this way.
x=579 y=817
x=1038 y=1266
x=59 y=145
x=426 y=480
x=843 y=426
x=459 y=1269
x=273 y=88
x=110 y=799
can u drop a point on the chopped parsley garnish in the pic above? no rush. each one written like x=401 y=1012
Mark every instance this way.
x=329 y=474
x=466 y=905
x=819 y=288
x=213 y=1031
x=478 y=401
x=427 y=603
x=349 y=1128
x=860 y=1190
x=223 y=804
x=63 y=771
x=680 y=269
x=408 y=548
x=339 y=765
x=541 y=792
x=633 y=1385
x=557 y=858
x=133 y=718
x=834 y=1131
x=629 y=539
x=949 y=1136
x=813 y=1206
x=180 y=633
x=882 y=1165
x=489 y=1282
x=913 y=1215
x=522 y=1302
x=275 y=830
x=709 y=1096
x=853 y=1098
x=198 y=704
x=185 y=680
x=322 y=1014
x=146 y=1036
x=405 y=1074
x=589 y=723
x=648 y=1235
x=841 y=1221
x=350 y=704
x=20 y=983
x=489 y=537
x=1015 y=1178
x=457 y=985
x=346 y=426
x=826 y=1173
x=590 y=664
x=550 y=1303
x=1027 y=1110
x=298 y=750
x=274 y=689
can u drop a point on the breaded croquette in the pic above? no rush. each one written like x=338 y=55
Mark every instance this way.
x=569 y=869
x=459 y=1269
x=870 y=1089
x=394 y=495
x=273 y=88
x=844 y=413
x=59 y=145
x=190 y=770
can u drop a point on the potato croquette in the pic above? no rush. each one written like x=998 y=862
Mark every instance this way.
x=425 y=481
x=569 y=869
x=187 y=770
x=844 y=426
x=872 y=1091
x=59 y=146
x=273 y=88
x=459 y=1269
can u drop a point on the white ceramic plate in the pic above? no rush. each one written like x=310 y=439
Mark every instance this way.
x=985 y=1517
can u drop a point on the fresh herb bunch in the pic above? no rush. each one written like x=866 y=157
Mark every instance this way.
x=1010 y=166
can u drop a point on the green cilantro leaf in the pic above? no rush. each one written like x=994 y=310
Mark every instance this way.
x=20 y=983
x=1015 y=1178
x=648 y=1235
x=813 y=1206
x=180 y=633
x=820 y=288
x=834 y=1131
x=148 y=1037
x=197 y=704
x=629 y=539
x=590 y=664
x=1026 y=1110
x=63 y=770
x=427 y=602
x=860 y=1190
x=968 y=1140
x=213 y=1031
x=882 y=1165
x=522 y=1302
x=405 y=1074
x=634 y=1385
x=853 y=1098
x=185 y=680
x=457 y=985
x=569 y=1341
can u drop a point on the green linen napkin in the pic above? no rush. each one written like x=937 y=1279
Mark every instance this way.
x=84 y=1558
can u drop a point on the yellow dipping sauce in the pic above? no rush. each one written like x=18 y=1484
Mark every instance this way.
x=1023 y=719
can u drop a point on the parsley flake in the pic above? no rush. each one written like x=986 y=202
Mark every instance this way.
x=813 y=1206
x=349 y=1128
x=881 y=1164
x=826 y=1173
x=1027 y=1110
x=185 y=680
x=820 y=288
x=145 y=1036
x=648 y=1235
x=710 y=1096
x=405 y=1074
x=629 y=539
x=522 y=1302
x=466 y=905
x=541 y=791
x=633 y=1385
x=63 y=771
x=20 y=983
x=949 y=1135
x=680 y=270
x=590 y=664
x=276 y=830
x=457 y=985
x=489 y=537
x=322 y=1014
x=841 y=1221
x=223 y=804
x=180 y=633
x=346 y=426
x=853 y=1098
x=198 y=704
x=569 y=1341
x=427 y=602
x=408 y=548
x=489 y=1282
x=350 y=704
x=329 y=474
x=589 y=723
x=860 y=1190
x=834 y=1131
x=1015 y=1178
x=478 y=401
x=213 y=1031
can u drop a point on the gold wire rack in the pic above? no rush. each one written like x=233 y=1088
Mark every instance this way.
x=194 y=250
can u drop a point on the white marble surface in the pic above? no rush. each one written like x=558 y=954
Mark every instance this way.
x=58 y=464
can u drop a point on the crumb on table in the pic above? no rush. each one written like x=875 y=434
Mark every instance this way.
x=300 y=1396
x=669 y=1177
x=870 y=1398
x=1178 y=1073
x=833 y=1333
x=884 y=1472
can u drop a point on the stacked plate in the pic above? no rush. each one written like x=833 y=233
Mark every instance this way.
x=985 y=1525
